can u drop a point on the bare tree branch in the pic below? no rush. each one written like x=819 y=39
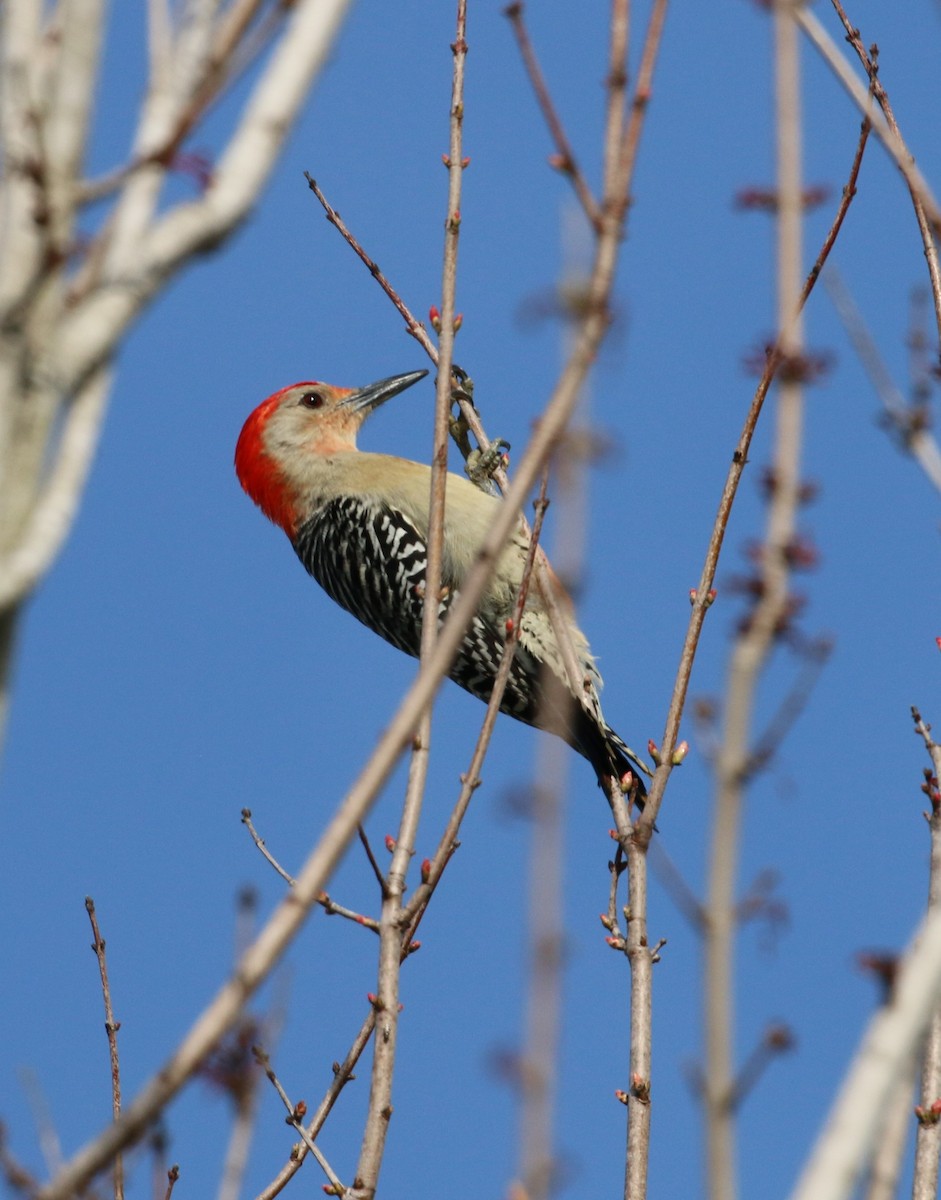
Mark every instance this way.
x=111 y=1029
x=927 y=211
x=137 y=266
x=565 y=160
x=390 y=932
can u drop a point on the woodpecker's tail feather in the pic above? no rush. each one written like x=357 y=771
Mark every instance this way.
x=625 y=761
x=605 y=750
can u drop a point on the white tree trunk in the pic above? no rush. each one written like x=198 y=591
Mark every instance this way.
x=64 y=307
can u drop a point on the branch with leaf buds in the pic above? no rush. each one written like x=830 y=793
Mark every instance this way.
x=390 y=924
x=564 y=159
x=111 y=1029
x=295 y=1118
x=927 y=209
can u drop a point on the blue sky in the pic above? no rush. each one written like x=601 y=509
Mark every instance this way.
x=178 y=665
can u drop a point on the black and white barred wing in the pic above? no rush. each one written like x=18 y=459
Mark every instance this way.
x=371 y=560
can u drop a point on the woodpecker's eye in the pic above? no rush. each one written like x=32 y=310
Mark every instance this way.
x=312 y=400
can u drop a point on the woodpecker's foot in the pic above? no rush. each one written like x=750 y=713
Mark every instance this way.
x=461 y=392
x=482 y=465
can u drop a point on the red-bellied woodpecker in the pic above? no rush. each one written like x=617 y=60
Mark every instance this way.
x=359 y=524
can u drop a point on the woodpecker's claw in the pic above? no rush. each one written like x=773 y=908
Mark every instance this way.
x=482 y=465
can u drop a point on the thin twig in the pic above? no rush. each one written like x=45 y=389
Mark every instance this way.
x=413 y=326
x=643 y=91
x=927 y=212
x=111 y=1029
x=326 y=902
x=266 y=853
x=616 y=868
x=376 y=869
x=390 y=927
x=452 y=229
x=703 y=596
x=846 y=199
x=172 y=1176
x=565 y=161
x=620 y=158
x=890 y=137
x=641 y=956
x=296 y=1113
x=332 y=909
x=342 y=1074
x=928 y=234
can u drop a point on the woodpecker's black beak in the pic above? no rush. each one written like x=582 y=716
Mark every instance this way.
x=370 y=397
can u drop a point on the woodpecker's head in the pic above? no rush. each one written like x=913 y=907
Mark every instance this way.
x=295 y=427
